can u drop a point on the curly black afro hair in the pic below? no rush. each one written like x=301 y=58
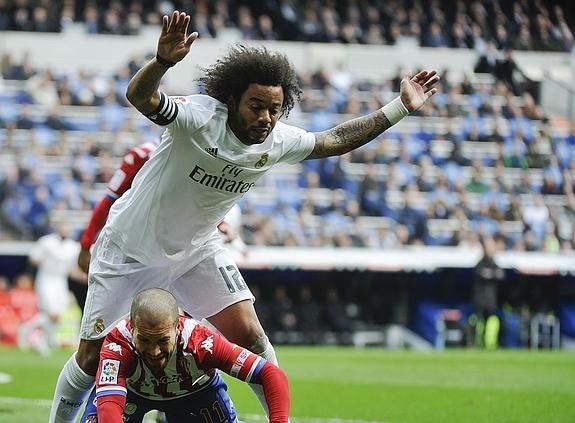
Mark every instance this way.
x=231 y=75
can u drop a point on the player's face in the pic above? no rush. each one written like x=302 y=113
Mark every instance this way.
x=256 y=114
x=155 y=343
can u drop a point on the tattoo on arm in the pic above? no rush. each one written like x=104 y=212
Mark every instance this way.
x=142 y=90
x=349 y=135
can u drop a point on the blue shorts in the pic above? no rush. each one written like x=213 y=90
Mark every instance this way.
x=211 y=404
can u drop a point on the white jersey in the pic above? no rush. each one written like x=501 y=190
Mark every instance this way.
x=55 y=258
x=199 y=171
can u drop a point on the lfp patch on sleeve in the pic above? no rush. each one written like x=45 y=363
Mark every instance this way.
x=110 y=371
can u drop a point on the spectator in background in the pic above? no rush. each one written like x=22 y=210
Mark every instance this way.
x=536 y=216
x=508 y=71
x=23 y=297
x=485 y=295
x=54 y=257
x=91 y=19
x=38 y=213
x=282 y=315
x=9 y=320
x=42 y=88
x=487 y=60
x=266 y=28
x=371 y=195
x=337 y=316
x=308 y=314
x=24 y=120
x=413 y=218
x=523 y=41
x=55 y=121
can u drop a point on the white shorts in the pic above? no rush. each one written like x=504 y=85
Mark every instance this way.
x=204 y=290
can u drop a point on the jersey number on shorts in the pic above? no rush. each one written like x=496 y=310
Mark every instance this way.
x=217 y=416
x=233 y=278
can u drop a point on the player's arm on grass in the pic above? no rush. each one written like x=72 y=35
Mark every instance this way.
x=173 y=45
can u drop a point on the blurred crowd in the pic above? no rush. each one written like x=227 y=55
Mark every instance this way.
x=18 y=304
x=520 y=24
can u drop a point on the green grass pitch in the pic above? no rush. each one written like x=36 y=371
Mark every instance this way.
x=345 y=385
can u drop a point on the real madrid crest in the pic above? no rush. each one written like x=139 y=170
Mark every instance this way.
x=262 y=161
x=99 y=325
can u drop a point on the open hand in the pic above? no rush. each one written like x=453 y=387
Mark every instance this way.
x=415 y=90
x=174 y=42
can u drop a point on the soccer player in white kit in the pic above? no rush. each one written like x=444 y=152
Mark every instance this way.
x=54 y=255
x=162 y=232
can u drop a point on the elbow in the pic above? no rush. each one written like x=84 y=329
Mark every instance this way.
x=141 y=103
x=131 y=96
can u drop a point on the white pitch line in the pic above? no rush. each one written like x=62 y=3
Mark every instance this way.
x=25 y=401
x=251 y=418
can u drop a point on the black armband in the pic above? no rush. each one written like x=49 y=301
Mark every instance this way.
x=166 y=111
x=164 y=62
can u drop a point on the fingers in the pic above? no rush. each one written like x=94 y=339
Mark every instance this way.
x=427 y=80
x=431 y=83
x=430 y=92
x=178 y=22
x=192 y=37
x=422 y=77
x=185 y=24
x=419 y=76
x=165 y=22
x=172 y=21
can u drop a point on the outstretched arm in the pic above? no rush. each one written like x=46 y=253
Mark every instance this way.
x=173 y=45
x=354 y=133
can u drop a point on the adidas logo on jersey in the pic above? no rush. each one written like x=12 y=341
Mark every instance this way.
x=212 y=150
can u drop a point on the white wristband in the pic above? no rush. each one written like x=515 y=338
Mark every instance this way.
x=394 y=111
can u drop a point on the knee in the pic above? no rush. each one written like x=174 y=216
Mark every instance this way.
x=239 y=323
x=88 y=356
x=250 y=335
x=259 y=343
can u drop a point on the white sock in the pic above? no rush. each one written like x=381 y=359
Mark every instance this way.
x=72 y=388
x=270 y=355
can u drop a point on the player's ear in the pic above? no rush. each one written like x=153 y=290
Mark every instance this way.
x=232 y=104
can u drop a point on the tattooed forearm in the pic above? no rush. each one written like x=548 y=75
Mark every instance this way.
x=349 y=135
x=143 y=87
